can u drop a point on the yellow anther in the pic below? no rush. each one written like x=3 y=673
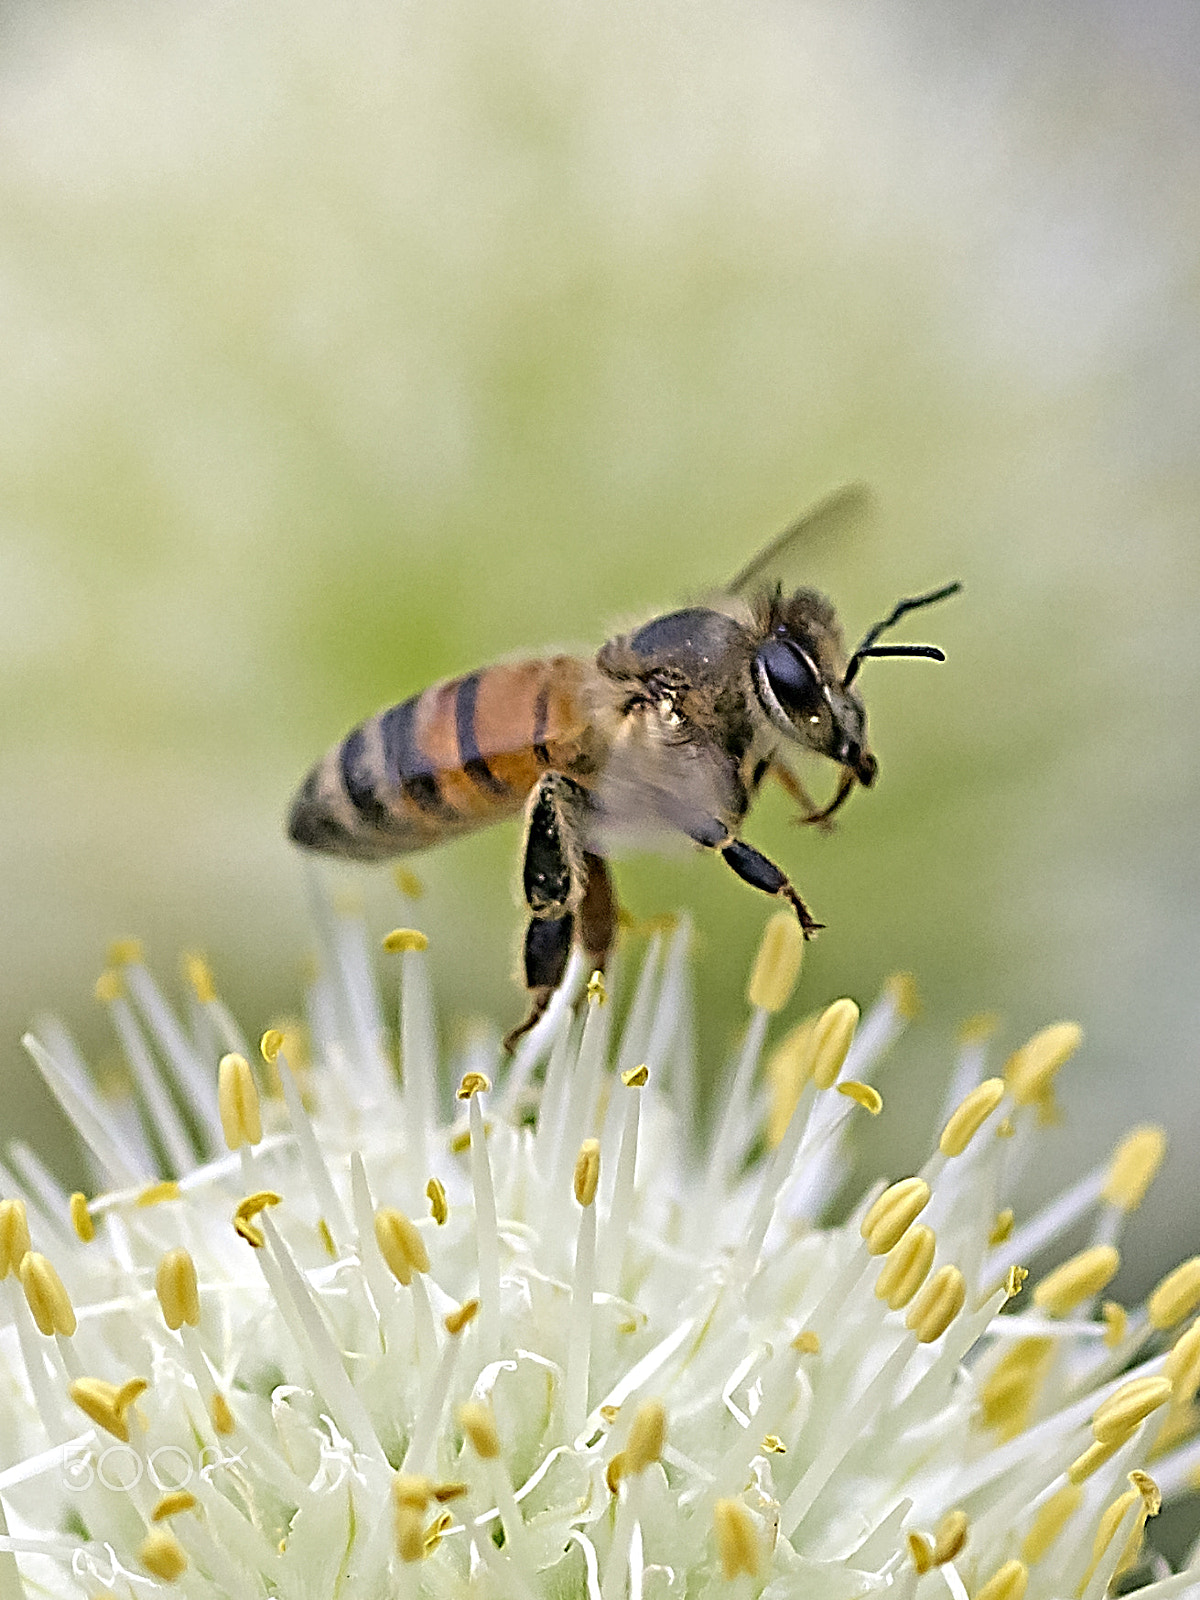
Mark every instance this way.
x=1150 y=1492
x=462 y=1141
x=408 y=883
x=937 y=1305
x=1031 y=1070
x=172 y=1504
x=647 y=1436
x=455 y=1321
x=862 y=1094
x=1121 y=1413
x=473 y=1083
x=110 y=986
x=479 y=1428
x=405 y=939
x=774 y=1445
x=1077 y=1280
x=1002 y=1227
x=1180 y=1423
x=1176 y=1297
x=1005 y=1128
x=435 y=1530
x=1092 y=1459
x=789 y=1067
x=327 y=1239
x=807 y=1342
x=1116 y=1321
x=247 y=1210
x=1049 y=1112
x=614 y=1472
x=1010 y=1391
x=271 y=1044
x=435 y=1193
x=1110 y=1521
x=978 y=1028
x=970 y=1116
x=158 y=1194
x=178 y=1293
x=833 y=1034
x=1006 y=1583
x=737 y=1539
x=1182 y=1366
x=587 y=1171
x=132 y=1389
x=921 y=1552
x=901 y=989
x=47 y=1298
x=1134 y=1166
x=400 y=1244
x=636 y=1077
x=125 y=952
x=237 y=1101
x=198 y=973
x=1015 y=1280
x=411 y=1489
x=101 y=1402
x=453 y=1489
x=14 y=1235
x=1049 y=1522
x=891 y=1216
x=596 y=992
x=81 y=1218
x=949 y=1537
x=907 y=1266
x=777 y=965
x=223 y=1419
x=163 y=1555
x=609 y=1414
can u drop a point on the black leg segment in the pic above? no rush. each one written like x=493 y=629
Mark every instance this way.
x=754 y=868
x=547 y=946
x=546 y=876
x=597 y=912
x=553 y=879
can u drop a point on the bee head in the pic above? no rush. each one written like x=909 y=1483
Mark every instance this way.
x=804 y=682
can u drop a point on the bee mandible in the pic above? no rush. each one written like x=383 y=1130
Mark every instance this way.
x=671 y=728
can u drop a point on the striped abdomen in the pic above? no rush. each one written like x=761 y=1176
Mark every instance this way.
x=458 y=756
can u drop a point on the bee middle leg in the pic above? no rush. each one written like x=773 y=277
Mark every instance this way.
x=597 y=912
x=555 y=875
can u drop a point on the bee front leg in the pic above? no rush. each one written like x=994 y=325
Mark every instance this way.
x=755 y=869
x=552 y=880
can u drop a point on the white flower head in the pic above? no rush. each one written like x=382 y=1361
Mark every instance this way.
x=521 y=1330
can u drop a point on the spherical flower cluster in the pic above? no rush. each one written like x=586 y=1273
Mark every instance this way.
x=336 y=1326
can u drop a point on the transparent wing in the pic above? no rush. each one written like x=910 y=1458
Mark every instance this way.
x=782 y=562
x=652 y=793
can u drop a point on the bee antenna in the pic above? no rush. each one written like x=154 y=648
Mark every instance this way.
x=869 y=648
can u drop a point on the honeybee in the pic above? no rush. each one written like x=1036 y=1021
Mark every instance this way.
x=671 y=728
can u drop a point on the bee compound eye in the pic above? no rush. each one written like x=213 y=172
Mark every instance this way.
x=790 y=677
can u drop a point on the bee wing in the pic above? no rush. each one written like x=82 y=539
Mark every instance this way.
x=844 y=511
x=651 y=790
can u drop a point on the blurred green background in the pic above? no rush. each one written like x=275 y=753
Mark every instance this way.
x=348 y=347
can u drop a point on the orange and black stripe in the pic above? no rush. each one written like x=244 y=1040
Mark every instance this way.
x=456 y=757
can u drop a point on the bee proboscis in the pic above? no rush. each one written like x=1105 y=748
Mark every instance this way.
x=672 y=727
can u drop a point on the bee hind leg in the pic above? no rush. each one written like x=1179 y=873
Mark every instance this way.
x=552 y=879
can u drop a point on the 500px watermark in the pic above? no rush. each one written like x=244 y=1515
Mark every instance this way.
x=120 y=1468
